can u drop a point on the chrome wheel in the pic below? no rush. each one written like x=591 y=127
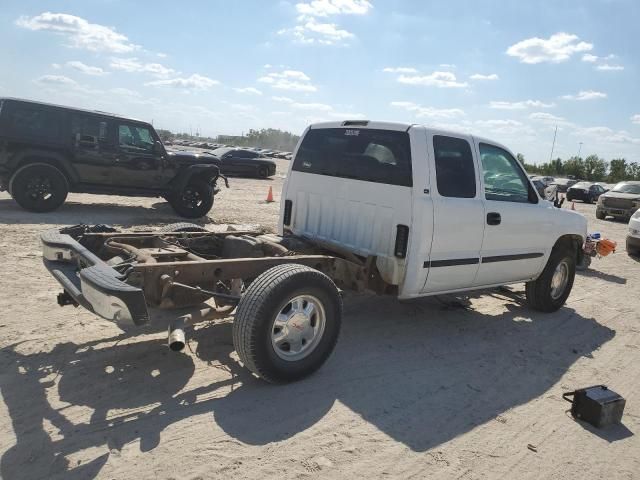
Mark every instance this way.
x=298 y=328
x=559 y=280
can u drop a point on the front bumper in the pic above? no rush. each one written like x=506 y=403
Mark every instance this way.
x=92 y=283
x=617 y=212
x=633 y=245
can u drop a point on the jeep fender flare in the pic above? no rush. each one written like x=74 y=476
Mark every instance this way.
x=55 y=159
x=207 y=172
x=35 y=164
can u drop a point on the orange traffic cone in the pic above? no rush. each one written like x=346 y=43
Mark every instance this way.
x=573 y=205
x=270 y=195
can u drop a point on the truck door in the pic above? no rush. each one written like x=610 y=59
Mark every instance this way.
x=93 y=150
x=458 y=214
x=518 y=223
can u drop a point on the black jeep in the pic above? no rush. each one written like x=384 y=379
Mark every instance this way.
x=47 y=151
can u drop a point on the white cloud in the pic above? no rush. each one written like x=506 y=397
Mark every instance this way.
x=436 y=79
x=400 y=70
x=282 y=99
x=479 y=76
x=248 y=91
x=310 y=31
x=292 y=80
x=195 y=81
x=325 y=8
x=606 y=135
x=636 y=118
x=428 y=112
x=585 y=95
x=86 y=69
x=546 y=117
x=500 y=105
x=132 y=65
x=79 y=32
x=590 y=58
x=447 y=65
x=609 y=67
x=318 y=107
x=59 y=80
x=504 y=127
x=559 y=47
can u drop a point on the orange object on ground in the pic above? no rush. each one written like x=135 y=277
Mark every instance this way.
x=605 y=247
x=270 y=195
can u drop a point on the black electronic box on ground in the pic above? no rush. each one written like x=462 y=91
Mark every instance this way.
x=596 y=405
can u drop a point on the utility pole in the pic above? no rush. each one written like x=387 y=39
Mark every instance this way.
x=553 y=145
x=579 y=149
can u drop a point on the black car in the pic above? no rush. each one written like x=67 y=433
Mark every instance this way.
x=47 y=151
x=585 y=191
x=242 y=162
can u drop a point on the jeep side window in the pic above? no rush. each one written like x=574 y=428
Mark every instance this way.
x=88 y=129
x=135 y=137
x=455 y=172
x=29 y=122
x=504 y=180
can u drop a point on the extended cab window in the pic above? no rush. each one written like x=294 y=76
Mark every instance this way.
x=455 y=172
x=135 y=137
x=504 y=180
x=36 y=123
x=370 y=155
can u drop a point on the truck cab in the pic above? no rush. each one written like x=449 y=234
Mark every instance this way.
x=439 y=211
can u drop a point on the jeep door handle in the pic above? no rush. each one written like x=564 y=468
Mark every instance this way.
x=493 y=218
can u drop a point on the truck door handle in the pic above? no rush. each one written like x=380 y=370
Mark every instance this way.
x=493 y=218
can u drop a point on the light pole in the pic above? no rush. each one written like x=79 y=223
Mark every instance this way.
x=579 y=149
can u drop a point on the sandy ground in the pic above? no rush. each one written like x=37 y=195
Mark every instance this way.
x=440 y=388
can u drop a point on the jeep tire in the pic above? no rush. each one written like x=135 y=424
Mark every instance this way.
x=551 y=289
x=194 y=201
x=39 y=187
x=287 y=323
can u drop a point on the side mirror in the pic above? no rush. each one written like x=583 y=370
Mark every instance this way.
x=158 y=149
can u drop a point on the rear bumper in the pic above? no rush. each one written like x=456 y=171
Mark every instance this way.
x=92 y=283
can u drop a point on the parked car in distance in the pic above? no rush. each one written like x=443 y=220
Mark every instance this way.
x=563 y=184
x=633 y=235
x=47 y=151
x=242 y=161
x=620 y=202
x=585 y=191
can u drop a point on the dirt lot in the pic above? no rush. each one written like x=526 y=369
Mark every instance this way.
x=439 y=388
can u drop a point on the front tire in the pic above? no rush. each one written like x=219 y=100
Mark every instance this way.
x=550 y=290
x=194 y=201
x=287 y=323
x=263 y=172
x=39 y=187
x=600 y=215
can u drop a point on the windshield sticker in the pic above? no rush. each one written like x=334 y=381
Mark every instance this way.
x=352 y=133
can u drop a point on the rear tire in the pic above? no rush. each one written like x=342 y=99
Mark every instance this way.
x=39 y=187
x=287 y=323
x=194 y=201
x=550 y=290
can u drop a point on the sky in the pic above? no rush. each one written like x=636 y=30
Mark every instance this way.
x=511 y=71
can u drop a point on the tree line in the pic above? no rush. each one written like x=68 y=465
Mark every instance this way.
x=592 y=168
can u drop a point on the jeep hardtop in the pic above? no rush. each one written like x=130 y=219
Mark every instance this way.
x=397 y=209
x=47 y=151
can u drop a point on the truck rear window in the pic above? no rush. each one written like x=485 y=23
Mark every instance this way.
x=370 y=155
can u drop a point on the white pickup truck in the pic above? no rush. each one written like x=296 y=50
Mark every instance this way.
x=399 y=209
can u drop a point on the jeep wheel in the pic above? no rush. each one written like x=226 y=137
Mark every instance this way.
x=194 y=201
x=263 y=172
x=552 y=288
x=600 y=215
x=287 y=323
x=39 y=187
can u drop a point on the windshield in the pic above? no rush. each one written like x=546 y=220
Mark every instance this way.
x=627 y=188
x=218 y=152
x=581 y=185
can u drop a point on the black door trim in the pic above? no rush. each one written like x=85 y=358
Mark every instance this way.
x=508 y=258
x=474 y=261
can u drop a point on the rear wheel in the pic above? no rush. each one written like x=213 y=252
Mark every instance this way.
x=551 y=289
x=39 y=187
x=194 y=201
x=287 y=323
